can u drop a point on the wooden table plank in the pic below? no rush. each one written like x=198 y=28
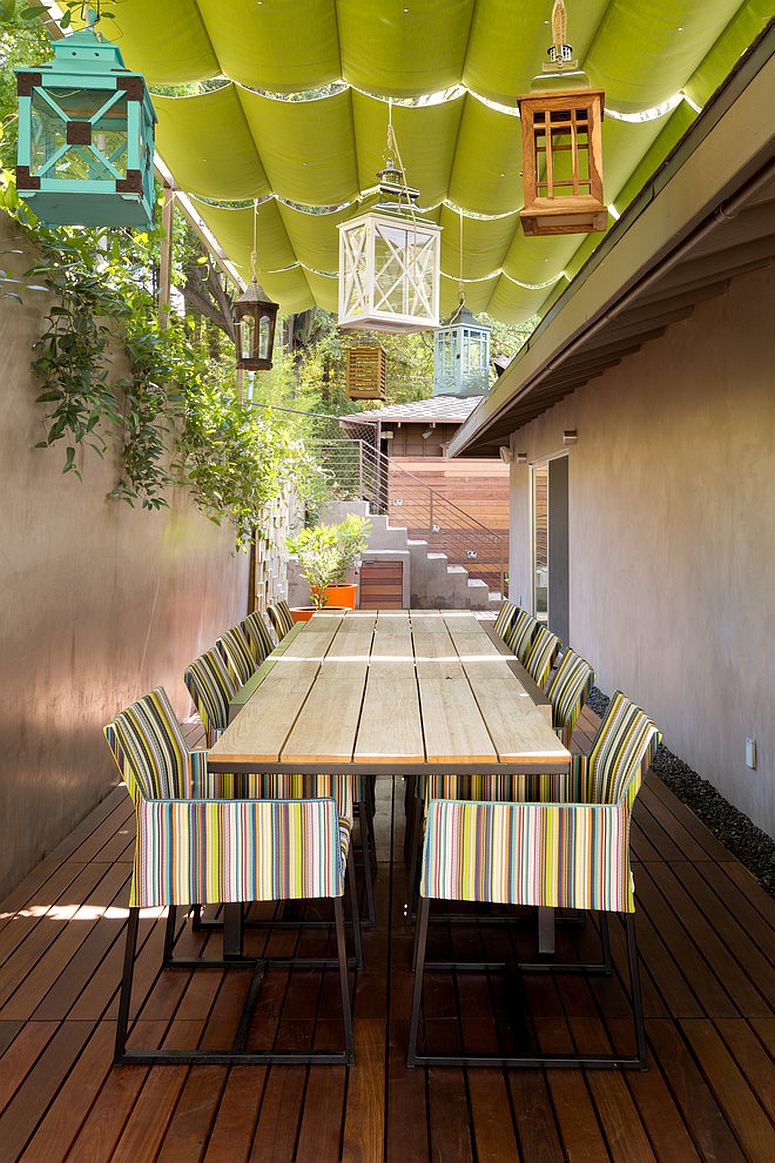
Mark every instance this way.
x=453 y=727
x=517 y=727
x=258 y=733
x=390 y=730
x=327 y=723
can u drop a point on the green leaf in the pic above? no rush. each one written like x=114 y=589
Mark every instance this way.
x=65 y=21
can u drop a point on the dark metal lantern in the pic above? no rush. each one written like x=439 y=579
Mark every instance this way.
x=254 y=324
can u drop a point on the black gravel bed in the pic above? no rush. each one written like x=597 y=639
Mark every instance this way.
x=752 y=847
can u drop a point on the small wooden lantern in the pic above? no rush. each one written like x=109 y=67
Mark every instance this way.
x=461 y=357
x=367 y=372
x=254 y=321
x=86 y=137
x=562 y=151
x=389 y=263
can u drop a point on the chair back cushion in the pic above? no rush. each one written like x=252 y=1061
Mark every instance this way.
x=506 y=615
x=568 y=690
x=149 y=749
x=240 y=659
x=212 y=688
x=541 y=655
x=281 y=618
x=622 y=752
x=258 y=635
x=521 y=634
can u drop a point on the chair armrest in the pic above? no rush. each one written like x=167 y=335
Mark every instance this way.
x=211 y=851
x=221 y=785
x=554 y=855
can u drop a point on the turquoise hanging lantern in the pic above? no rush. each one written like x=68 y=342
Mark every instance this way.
x=86 y=137
x=461 y=356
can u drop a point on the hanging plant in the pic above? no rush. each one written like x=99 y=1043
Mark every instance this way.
x=73 y=358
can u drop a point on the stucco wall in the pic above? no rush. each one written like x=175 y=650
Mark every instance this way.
x=99 y=604
x=672 y=533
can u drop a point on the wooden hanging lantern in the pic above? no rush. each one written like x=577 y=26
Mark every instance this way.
x=254 y=323
x=86 y=137
x=562 y=150
x=367 y=372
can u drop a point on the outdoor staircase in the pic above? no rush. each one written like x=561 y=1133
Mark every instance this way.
x=454 y=561
x=434 y=583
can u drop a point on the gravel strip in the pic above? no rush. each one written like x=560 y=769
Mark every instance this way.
x=752 y=847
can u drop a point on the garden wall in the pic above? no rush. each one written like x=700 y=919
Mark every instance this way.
x=100 y=603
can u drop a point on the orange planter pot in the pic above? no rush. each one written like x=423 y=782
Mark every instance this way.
x=304 y=613
x=341 y=596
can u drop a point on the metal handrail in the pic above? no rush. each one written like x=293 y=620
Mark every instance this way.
x=421 y=513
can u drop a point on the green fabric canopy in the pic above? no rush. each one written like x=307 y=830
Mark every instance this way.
x=311 y=158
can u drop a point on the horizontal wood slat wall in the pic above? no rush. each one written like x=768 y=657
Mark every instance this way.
x=479 y=487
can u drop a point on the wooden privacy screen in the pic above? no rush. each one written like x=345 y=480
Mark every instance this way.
x=382 y=584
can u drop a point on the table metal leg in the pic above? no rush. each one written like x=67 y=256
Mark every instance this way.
x=546 y=943
x=233 y=928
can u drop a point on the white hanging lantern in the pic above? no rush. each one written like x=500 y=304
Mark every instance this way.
x=389 y=263
x=461 y=357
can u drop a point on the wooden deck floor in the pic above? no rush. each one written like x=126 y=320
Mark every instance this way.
x=707 y=940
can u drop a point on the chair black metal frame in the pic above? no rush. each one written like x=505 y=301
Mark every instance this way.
x=637 y=1061
x=237 y=1054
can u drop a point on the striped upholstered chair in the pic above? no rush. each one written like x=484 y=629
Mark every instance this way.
x=554 y=855
x=211 y=688
x=193 y=849
x=237 y=654
x=568 y=690
x=521 y=634
x=281 y=618
x=540 y=658
x=258 y=635
x=506 y=616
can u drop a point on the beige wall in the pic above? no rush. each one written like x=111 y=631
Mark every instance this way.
x=99 y=604
x=672 y=534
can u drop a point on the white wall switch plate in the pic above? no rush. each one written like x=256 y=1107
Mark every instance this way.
x=750 y=753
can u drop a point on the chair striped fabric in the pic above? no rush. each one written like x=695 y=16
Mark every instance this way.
x=568 y=690
x=539 y=659
x=258 y=635
x=281 y=618
x=211 y=688
x=553 y=855
x=151 y=753
x=506 y=615
x=197 y=851
x=238 y=655
x=521 y=634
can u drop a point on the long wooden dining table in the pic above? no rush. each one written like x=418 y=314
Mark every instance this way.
x=390 y=693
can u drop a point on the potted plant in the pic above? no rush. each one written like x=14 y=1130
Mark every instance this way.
x=325 y=554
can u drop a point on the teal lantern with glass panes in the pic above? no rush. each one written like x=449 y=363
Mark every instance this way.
x=86 y=137
x=461 y=357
